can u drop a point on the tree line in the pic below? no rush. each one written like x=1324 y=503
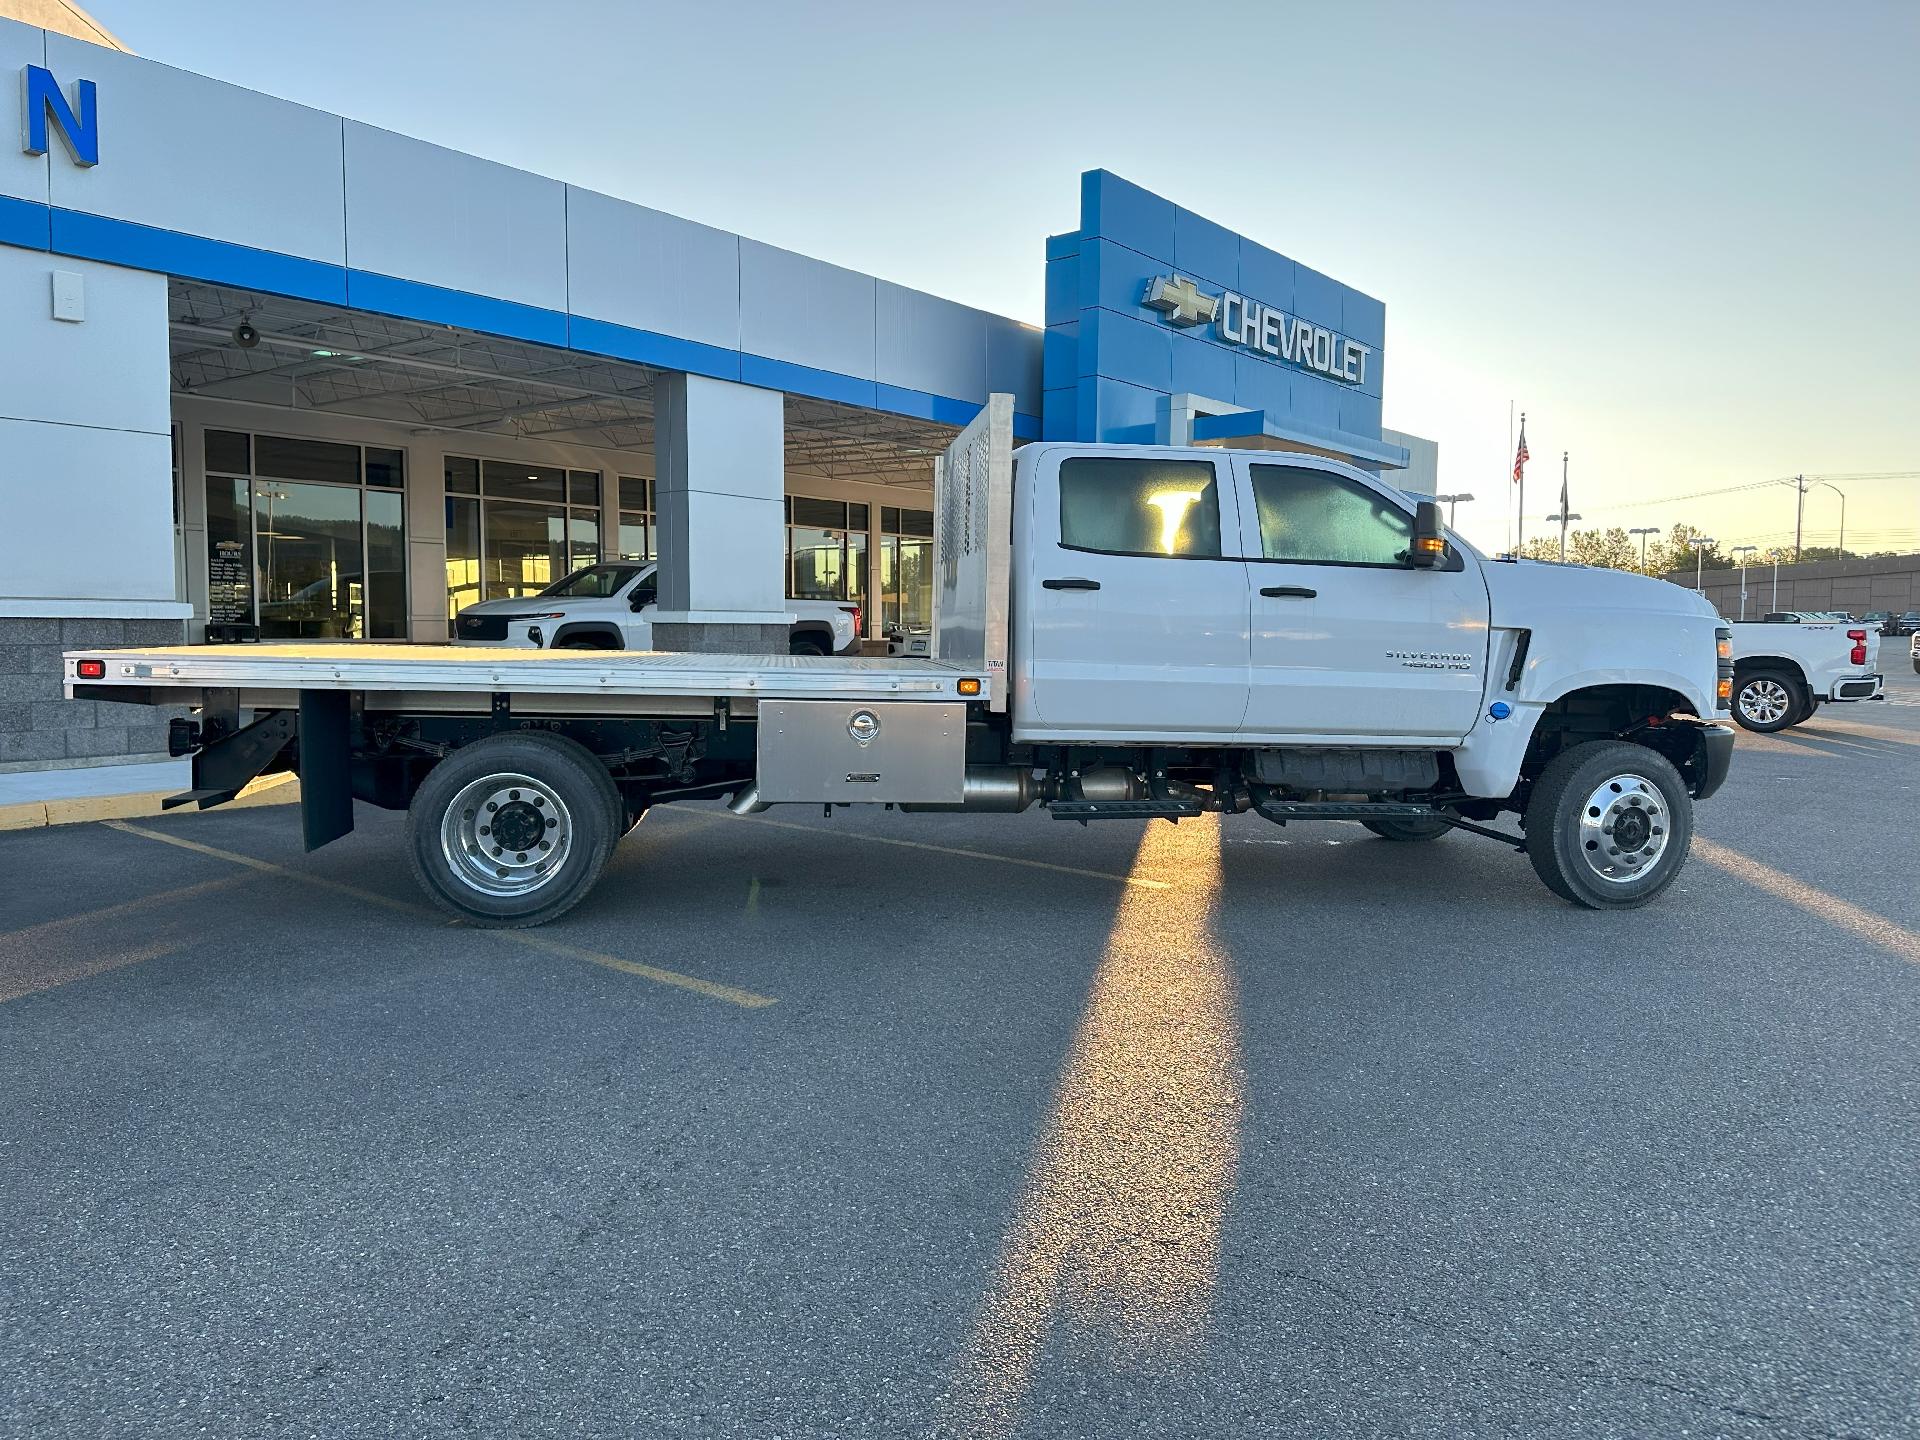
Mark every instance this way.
x=1615 y=549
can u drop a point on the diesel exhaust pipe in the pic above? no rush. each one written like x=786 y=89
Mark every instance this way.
x=1005 y=789
x=747 y=801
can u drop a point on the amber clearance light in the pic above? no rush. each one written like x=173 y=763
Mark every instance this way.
x=968 y=687
x=1430 y=545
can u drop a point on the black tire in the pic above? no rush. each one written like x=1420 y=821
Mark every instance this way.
x=1407 y=829
x=1767 y=700
x=805 y=647
x=576 y=642
x=1575 y=811
x=563 y=791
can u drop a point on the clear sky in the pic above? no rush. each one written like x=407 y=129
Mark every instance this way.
x=1683 y=238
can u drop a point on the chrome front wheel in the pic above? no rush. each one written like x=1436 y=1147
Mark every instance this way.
x=1624 y=828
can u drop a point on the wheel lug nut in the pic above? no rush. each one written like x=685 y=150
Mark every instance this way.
x=546 y=844
x=520 y=858
x=513 y=794
x=491 y=807
x=497 y=851
x=552 y=823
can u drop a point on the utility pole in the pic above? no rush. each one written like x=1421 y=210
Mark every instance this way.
x=1644 y=531
x=1743 y=551
x=1799 y=512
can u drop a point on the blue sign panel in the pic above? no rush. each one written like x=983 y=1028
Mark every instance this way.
x=1148 y=301
x=78 y=123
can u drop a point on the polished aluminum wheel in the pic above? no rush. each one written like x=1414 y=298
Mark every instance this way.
x=506 y=835
x=1624 y=828
x=1764 y=701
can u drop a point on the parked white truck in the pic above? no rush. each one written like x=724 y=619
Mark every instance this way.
x=611 y=606
x=1121 y=632
x=1784 y=670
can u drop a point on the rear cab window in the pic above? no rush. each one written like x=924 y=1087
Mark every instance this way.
x=1114 y=505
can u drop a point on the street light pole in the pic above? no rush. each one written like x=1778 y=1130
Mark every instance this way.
x=1701 y=544
x=1644 y=531
x=1450 y=501
x=1563 y=518
x=1840 y=550
x=1743 y=551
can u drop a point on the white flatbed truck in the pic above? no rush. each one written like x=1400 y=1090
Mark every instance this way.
x=1121 y=632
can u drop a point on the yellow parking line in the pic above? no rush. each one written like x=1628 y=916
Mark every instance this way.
x=1831 y=908
x=732 y=995
x=1138 y=882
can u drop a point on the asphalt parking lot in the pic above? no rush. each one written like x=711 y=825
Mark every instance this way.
x=906 y=1126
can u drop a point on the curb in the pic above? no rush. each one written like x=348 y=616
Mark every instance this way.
x=281 y=789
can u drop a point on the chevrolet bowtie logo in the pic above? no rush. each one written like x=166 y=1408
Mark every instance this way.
x=1181 y=301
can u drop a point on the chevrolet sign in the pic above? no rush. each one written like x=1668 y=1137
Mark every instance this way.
x=1265 y=329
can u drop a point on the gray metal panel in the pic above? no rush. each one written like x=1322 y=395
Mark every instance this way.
x=810 y=753
x=630 y=265
x=182 y=152
x=925 y=343
x=489 y=229
x=24 y=176
x=972 y=512
x=805 y=311
x=468 y=670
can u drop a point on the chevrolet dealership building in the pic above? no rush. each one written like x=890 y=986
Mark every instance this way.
x=272 y=372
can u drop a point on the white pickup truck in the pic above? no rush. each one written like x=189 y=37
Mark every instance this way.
x=1784 y=670
x=1121 y=632
x=611 y=606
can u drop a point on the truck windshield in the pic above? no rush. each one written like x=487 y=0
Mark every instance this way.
x=596 y=582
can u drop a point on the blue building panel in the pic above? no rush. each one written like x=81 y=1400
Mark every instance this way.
x=1317 y=297
x=1060 y=419
x=1120 y=211
x=1013 y=363
x=1123 y=359
x=1119 y=346
x=1201 y=366
x=1265 y=275
x=1205 y=251
x=1063 y=288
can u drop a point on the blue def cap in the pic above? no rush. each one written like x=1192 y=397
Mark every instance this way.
x=1499 y=710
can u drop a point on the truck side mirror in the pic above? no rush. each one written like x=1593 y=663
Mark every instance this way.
x=1429 y=547
x=642 y=597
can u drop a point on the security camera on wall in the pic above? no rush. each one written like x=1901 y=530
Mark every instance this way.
x=245 y=336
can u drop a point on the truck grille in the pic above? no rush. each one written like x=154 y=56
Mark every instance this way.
x=482 y=627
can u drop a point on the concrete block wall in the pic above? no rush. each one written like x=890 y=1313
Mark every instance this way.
x=39 y=728
x=1889 y=583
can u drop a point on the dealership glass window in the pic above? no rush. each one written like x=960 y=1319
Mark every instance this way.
x=297 y=543
x=826 y=549
x=906 y=569
x=535 y=524
x=639 y=537
x=1140 y=507
x=463 y=552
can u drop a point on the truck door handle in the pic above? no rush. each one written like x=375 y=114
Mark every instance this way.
x=1072 y=583
x=1297 y=592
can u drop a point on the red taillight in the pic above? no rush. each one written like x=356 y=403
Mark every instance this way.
x=89 y=669
x=1859 y=638
x=854 y=611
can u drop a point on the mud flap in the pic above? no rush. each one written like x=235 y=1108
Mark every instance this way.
x=326 y=766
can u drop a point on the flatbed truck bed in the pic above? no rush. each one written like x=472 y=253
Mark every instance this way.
x=378 y=670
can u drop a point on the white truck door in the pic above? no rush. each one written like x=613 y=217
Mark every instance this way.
x=1347 y=641
x=1130 y=604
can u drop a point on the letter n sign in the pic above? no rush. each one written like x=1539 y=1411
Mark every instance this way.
x=78 y=123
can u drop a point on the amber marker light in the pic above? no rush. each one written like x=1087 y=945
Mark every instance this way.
x=968 y=687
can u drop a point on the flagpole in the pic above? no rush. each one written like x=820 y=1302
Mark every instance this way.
x=1520 y=515
x=1509 y=461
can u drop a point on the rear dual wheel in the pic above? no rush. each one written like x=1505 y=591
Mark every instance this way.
x=513 y=830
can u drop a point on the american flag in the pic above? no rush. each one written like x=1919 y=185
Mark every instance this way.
x=1520 y=456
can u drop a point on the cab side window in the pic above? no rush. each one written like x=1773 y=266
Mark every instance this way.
x=1314 y=517
x=1121 y=506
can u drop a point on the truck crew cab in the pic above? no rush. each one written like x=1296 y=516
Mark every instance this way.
x=1121 y=632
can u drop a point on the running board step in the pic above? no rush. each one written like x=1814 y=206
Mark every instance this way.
x=1084 y=810
x=1342 y=809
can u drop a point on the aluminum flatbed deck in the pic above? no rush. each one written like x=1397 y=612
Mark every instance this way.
x=472 y=670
